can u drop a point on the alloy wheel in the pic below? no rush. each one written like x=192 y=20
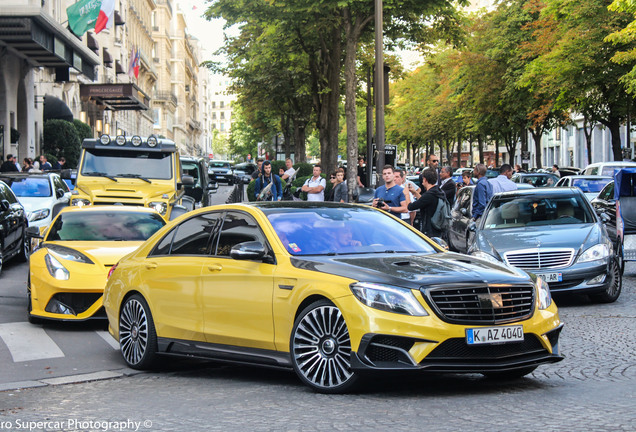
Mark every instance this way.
x=136 y=333
x=321 y=348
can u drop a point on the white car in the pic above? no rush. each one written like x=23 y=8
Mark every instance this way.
x=607 y=168
x=42 y=195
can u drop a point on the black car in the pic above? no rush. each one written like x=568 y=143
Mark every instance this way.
x=13 y=224
x=223 y=171
x=203 y=186
x=604 y=203
x=243 y=171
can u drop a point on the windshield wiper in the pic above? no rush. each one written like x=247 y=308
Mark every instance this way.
x=138 y=176
x=100 y=174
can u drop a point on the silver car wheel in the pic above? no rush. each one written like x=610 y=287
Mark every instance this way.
x=133 y=332
x=321 y=348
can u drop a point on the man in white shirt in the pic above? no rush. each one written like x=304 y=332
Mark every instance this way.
x=289 y=172
x=502 y=182
x=315 y=186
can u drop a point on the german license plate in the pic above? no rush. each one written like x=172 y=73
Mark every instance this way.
x=488 y=335
x=551 y=277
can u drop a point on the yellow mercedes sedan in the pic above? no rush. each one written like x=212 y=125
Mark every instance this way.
x=68 y=271
x=332 y=291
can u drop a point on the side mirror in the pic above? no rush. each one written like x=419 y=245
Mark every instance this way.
x=440 y=241
x=4 y=205
x=187 y=180
x=251 y=250
x=59 y=193
x=177 y=210
x=472 y=226
x=605 y=218
x=33 y=232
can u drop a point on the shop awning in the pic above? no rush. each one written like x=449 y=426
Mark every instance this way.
x=118 y=97
x=55 y=108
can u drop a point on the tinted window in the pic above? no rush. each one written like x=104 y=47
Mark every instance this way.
x=607 y=193
x=31 y=187
x=191 y=169
x=238 y=228
x=105 y=226
x=6 y=194
x=163 y=247
x=59 y=184
x=193 y=235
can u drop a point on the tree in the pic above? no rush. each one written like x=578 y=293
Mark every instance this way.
x=61 y=139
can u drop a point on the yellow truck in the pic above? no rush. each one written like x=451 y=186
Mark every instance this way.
x=132 y=171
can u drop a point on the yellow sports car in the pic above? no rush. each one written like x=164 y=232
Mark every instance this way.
x=68 y=272
x=327 y=289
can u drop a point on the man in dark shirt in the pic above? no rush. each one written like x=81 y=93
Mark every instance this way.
x=447 y=184
x=362 y=173
x=9 y=164
x=482 y=192
x=426 y=203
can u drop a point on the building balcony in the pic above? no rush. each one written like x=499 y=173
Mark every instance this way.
x=165 y=97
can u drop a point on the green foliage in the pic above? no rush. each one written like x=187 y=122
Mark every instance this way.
x=83 y=130
x=61 y=139
x=303 y=169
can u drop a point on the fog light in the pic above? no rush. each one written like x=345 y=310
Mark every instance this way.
x=597 y=280
x=56 y=306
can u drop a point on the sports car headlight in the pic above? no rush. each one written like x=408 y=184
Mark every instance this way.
x=80 y=202
x=57 y=270
x=599 y=252
x=486 y=256
x=69 y=253
x=388 y=298
x=543 y=293
x=159 y=206
x=37 y=215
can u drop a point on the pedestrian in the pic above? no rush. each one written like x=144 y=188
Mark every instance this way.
x=447 y=184
x=361 y=178
x=265 y=180
x=467 y=180
x=341 y=194
x=432 y=164
x=502 y=182
x=518 y=169
x=27 y=165
x=427 y=203
x=555 y=170
x=9 y=164
x=332 y=180
x=315 y=185
x=289 y=173
x=59 y=165
x=482 y=192
x=257 y=171
x=390 y=196
x=44 y=164
x=400 y=180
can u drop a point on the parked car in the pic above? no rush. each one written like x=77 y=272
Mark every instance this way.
x=555 y=234
x=203 y=188
x=42 y=195
x=222 y=170
x=243 y=171
x=607 y=168
x=569 y=171
x=13 y=226
x=590 y=185
x=331 y=291
x=67 y=273
x=536 y=179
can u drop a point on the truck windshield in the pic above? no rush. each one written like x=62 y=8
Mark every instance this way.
x=153 y=165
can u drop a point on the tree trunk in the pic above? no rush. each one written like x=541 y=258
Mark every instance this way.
x=299 y=141
x=497 y=152
x=588 y=137
x=536 y=137
x=614 y=126
x=480 y=147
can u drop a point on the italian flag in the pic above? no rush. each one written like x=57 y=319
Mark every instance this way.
x=106 y=14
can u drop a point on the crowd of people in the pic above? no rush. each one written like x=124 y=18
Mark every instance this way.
x=40 y=164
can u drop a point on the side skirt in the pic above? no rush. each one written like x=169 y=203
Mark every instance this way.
x=224 y=353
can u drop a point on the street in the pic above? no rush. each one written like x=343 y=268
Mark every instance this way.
x=70 y=376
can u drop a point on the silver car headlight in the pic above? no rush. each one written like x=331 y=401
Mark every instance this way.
x=388 y=298
x=159 y=206
x=543 y=293
x=486 y=256
x=37 y=215
x=80 y=202
x=599 y=252
x=55 y=268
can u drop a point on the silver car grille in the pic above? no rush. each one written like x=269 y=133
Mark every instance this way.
x=544 y=258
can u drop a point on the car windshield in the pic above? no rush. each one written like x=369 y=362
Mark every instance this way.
x=522 y=211
x=105 y=225
x=146 y=164
x=538 y=180
x=219 y=165
x=590 y=185
x=334 y=231
x=31 y=187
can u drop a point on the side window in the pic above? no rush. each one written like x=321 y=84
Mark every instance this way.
x=7 y=194
x=163 y=247
x=238 y=228
x=607 y=193
x=59 y=184
x=193 y=235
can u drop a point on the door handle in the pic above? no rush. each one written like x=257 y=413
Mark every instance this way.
x=215 y=267
x=151 y=265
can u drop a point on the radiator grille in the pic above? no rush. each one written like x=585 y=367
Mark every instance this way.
x=533 y=259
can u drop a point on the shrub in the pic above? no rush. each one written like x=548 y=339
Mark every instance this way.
x=61 y=139
x=83 y=130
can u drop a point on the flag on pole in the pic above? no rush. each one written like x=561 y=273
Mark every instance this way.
x=106 y=15
x=82 y=15
x=131 y=62
x=137 y=64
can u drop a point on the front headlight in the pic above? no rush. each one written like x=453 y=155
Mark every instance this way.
x=55 y=268
x=159 y=206
x=486 y=256
x=80 y=202
x=388 y=298
x=543 y=293
x=599 y=252
x=38 y=215
x=69 y=254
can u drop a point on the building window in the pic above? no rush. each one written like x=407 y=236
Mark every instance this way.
x=156 y=116
x=222 y=115
x=222 y=127
x=213 y=116
x=221 y=105
x=213 y=104
x=558 y=134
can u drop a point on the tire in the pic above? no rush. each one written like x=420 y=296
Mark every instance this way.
x=320 y=349
x=31 y=318
x=510 y=375
x=137 y=336
x=621 y=257
x=1 y=259
x=25 y=249
x=613 y=290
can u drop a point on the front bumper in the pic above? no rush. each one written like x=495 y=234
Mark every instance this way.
x=582 y=278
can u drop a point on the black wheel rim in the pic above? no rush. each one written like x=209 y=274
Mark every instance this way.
x=613 y=289
x=133 y=331
x=322 y=348
x=26 y=246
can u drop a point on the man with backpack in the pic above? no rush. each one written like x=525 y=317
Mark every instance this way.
x=268 y=186
x=433 y=206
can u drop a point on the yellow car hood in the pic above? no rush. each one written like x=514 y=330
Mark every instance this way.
x=126 y=189
x=106 y=253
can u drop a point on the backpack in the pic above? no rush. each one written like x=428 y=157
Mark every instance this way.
x=441 y=219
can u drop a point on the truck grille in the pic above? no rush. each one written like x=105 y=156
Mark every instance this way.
x=533 y=259
x=481 y=304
